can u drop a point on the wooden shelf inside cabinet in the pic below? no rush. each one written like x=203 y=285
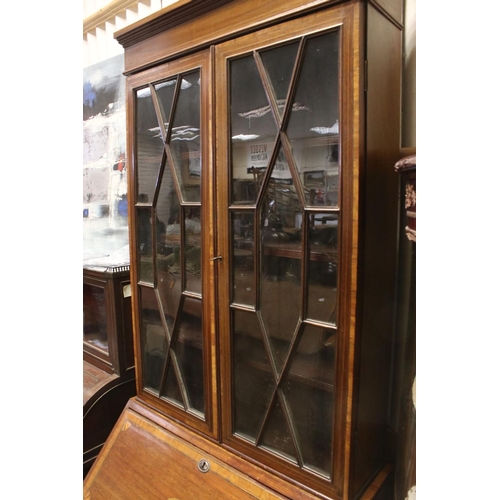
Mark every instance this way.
x=108 y=361
x=308 y=368
x=320 y=253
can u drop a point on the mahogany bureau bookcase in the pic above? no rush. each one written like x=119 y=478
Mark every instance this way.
x=262 y=138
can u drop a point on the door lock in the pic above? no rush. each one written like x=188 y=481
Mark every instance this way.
x=203 y=465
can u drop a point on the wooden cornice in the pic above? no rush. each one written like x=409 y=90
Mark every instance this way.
x=112 y=9
x=173 y=15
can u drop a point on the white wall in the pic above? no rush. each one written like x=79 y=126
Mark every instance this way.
x=409 y=98
x=98 y=41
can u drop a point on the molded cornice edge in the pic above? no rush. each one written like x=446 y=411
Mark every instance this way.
x=108 y=12
x=173 y=15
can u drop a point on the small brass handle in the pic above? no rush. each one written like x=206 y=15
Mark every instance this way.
x=219 y=257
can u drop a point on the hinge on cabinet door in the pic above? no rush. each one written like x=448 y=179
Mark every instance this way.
x=366 y=75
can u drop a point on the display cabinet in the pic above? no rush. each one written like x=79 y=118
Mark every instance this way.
x=262 y=137
x=108 y=358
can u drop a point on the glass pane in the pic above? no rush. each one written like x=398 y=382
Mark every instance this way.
x=280 y=303
x=314 y=134
x=322 y=277
x=192 y=226
x=149 y=144
x=279 y=213
x=185 y=137
x=168 y=247
x=253 y=379
x=251 y=120
x=189 y=352
x=167 y=206
x=165 y=92
x=279 y=65
x=145 y=244
x=243 y=258
x=172 y=387
x=168 y=235
x=95 y=330
x=273 y=344
x=169 y=289
x=154 y=340
x=277 y=435
x=308 y=390
x=281 y=252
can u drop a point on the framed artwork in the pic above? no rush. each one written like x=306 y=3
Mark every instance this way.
x=315 y=178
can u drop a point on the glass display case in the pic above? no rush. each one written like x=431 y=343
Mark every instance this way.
x=263 y=245
x=108 y=357
x=107 y=328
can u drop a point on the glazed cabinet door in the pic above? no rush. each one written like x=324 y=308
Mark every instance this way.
x=172 y=176
x=286 y=163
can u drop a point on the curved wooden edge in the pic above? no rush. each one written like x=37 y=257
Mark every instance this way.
x=377 y=483
x=406 y=163
x=96 y=382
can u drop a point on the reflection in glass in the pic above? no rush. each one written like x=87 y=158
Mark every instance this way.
x=145 y=244
x=95 y=330
x=168 y=234
x=168 y=247
x=185 y=137
x=314 y=135
x=322 y=276
x=283 y=366
x=281 y=252
x=277 y=435
x=253 y=380
x=243 y=258
x=154 y=339
x=149 y=143
x=169 y=289
x=192 y=245
x=280 y=308
x=165 y=92
x=308 y=391
x=188 y=350
x=279 y=63
x=251 y=120
x=172 y=388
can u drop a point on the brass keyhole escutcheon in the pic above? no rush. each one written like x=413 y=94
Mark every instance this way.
x=203 y=465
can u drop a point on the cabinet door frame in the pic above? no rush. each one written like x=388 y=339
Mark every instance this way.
x=347 y=19
x=107 y=361
x=203 y=61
